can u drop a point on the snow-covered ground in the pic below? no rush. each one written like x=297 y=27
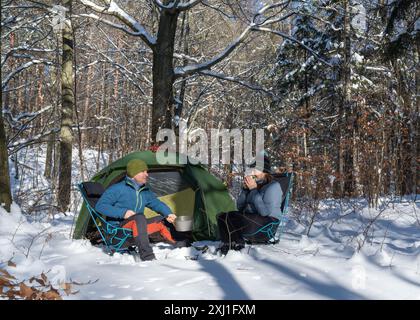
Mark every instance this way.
x=322 y=266
x=325 y=265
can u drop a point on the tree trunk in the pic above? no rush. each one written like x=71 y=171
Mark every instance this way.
x=357 y=187
x=346 y=96
x=185 y=32
x=49 y=156
x=5 y=192
x=415 y=126
x=163 y=72
x=66 y=134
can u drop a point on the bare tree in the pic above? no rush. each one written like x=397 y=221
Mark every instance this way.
x=5 y=193
x=163 y=44
x=66 y=133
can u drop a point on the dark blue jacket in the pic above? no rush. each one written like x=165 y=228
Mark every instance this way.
x=128 y=195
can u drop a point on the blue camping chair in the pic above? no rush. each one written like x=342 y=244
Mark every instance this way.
x=270 y=230
x=115 y=238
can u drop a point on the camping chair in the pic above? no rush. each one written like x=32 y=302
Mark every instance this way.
x=276 y=227
x=114 y=237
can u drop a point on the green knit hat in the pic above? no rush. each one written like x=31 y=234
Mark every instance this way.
x=135 y=166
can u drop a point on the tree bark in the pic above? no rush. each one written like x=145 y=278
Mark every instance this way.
x=415 y=127
x=163 y=72
x=5 y=192
x=66 y=134
x=346 y=96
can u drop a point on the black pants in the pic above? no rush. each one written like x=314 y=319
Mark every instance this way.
x=234 y=224
x=142 y=239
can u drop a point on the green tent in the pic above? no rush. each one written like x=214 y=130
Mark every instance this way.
x=186 y=188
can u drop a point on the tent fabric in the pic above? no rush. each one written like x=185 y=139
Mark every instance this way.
x=205 y=197
x=181 y=203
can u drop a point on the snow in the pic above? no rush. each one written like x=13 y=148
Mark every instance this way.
x=357 y=58
x=320 y=266
x=326 y=264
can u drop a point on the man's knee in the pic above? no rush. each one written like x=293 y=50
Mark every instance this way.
x=140 y=218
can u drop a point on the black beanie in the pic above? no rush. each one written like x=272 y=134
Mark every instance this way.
x=267 y=165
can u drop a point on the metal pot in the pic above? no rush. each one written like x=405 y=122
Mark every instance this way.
x=183 y=223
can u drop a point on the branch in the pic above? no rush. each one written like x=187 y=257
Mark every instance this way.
x=207 y=4
x=238 y=81
x=190 y=69
x=25 y=115
x=182 y=56
x=24 y=48
x=114 y=10
x=33 y=139
x=125 y=72
x=177 y=5
x=20 y=69
x=284 y=35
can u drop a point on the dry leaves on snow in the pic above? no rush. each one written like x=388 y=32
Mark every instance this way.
x=36 y=288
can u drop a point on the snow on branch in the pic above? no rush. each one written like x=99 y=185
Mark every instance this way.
x=207 y=4
x=14 y=121
x=286 y=36
x=190 y=69
x=182 y=56
x=268 y=7
x=125 y=72
x=20 y=69
x=235 y=80
x=24 y=48
x=114 y=10
x=177 y=5
x=23 y=143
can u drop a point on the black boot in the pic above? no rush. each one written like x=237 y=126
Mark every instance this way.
x=147 y=257
x=238 y=246
x=224 y=249
x=181 y=244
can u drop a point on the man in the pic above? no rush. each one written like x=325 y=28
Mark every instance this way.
x=127 y=199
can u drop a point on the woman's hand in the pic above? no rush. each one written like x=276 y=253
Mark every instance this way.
x=171 y=218
x=250 y=183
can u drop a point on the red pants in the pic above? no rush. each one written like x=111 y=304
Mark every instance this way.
x=151 y=228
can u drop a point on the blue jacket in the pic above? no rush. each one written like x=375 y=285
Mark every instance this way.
x=128 y=195
x=265 y=202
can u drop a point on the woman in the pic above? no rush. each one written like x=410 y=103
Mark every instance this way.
x=259 y=203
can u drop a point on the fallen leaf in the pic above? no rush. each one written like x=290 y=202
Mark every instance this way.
x=40 y=281
x=52 y=295
x=66 y=287
x=10 y=263
x=44 y=277
x=5 y=282
x=25 y=291
x=11 y=294
x=7 y=274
